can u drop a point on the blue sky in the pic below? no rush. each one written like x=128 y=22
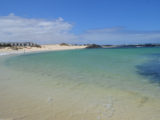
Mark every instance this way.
x=122 y=17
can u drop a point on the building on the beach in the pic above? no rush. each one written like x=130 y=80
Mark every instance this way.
x=11 y=44
x=22 y=44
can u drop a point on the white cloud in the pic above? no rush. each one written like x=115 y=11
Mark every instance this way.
x=120 y=35
x=14 y=28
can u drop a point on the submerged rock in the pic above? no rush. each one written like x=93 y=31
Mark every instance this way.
x=151 y=69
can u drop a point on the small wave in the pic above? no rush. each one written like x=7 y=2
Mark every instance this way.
x=2 y=54
x=9 y=53
x=14 y=53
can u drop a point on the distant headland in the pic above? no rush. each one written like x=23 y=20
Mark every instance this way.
x=121 y=46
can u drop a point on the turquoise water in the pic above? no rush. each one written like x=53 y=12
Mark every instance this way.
x=119 y=68
x=92 y=73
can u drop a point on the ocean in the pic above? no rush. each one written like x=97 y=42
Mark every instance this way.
x=85 y=84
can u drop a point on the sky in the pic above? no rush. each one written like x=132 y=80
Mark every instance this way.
x=80 y=21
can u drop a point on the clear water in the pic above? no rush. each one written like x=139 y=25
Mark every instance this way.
x=86 y=84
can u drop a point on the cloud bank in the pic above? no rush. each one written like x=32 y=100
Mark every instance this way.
x=18 y=29
x=120 y=35
x=14 y=28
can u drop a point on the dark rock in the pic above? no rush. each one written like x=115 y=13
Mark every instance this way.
x=94 y=46
x=64 y=44
x=151 y=69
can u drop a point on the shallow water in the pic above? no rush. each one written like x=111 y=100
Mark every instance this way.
x=97 y=84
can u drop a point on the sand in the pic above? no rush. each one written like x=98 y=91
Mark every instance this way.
x=54 y=47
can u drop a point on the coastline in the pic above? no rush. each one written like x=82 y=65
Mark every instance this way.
x=43 y=48
x=33 y=90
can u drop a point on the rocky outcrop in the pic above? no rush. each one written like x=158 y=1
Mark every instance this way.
x=94 y=46
x=64 y=44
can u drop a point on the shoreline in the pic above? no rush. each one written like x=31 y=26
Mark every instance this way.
x=40 y=91
x=43 y=48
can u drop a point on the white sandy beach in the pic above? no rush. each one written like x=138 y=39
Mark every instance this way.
x=53 y=47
